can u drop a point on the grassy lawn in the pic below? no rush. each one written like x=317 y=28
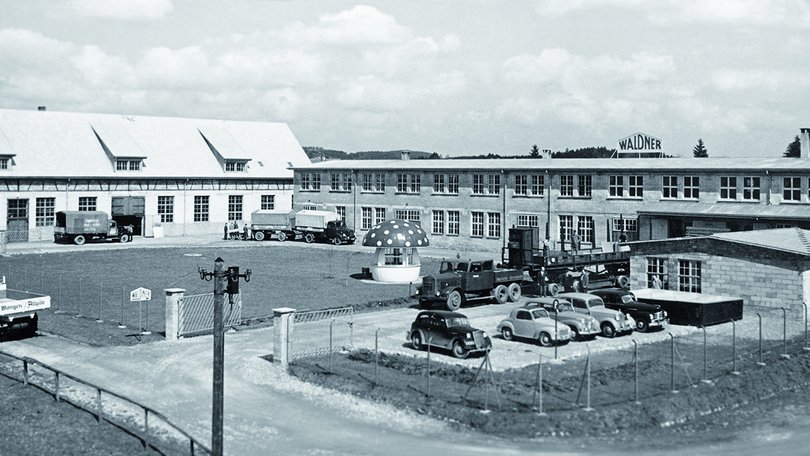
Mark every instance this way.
x=96 y=284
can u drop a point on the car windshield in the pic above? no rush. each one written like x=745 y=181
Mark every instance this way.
x=627 y=299
x=539 y=313
x=457 y=321
x=446 y=266
x=595 y=302
x=565 y=307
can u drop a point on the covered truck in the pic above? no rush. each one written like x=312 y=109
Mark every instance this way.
x=82 y=226
x=272 y=224
x=18 y=310
x=306 y=225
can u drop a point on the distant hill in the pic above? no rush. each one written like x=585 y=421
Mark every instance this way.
x=320 y=153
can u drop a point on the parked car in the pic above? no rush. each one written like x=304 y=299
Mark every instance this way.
x=449 y=331
x=647 y=316
x=536 y=324
x=611 y=321
x=583 y=327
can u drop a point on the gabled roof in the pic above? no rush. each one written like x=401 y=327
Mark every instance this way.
x=64 y=144
x=222 y=143
x=794 y=240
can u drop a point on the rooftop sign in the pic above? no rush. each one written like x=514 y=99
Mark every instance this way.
x=639 y=143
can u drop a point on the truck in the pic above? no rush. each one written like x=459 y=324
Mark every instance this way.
x=18 y=311
x=306 y=225
x=460 y=281
x=82 y=226
x=577 y=271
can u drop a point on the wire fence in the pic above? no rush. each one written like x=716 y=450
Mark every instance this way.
x=152 y=428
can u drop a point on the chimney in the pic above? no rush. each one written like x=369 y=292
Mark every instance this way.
x=546 y=153
x=41 y=108
x=405 y=155
x=805 y=143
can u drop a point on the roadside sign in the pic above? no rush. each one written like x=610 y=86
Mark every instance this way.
x=140 y=294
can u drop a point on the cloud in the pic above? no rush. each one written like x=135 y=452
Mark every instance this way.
x=124 y=9
x=360 y=25
x=759 y=80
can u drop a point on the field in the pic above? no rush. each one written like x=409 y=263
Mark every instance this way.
x=95 y=285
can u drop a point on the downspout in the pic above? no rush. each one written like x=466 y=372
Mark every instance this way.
x=548 y=210
x=503 y=217
x=354 y=200
x=185 y=215
x=769 y=179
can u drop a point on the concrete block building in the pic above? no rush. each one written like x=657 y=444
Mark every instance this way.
x=186 y=176
x=767 y=268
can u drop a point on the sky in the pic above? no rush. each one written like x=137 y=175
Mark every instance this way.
x=456 y=77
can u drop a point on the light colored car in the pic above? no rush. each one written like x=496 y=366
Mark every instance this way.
x=611 y=321
x=534 y=323
x=583 y=327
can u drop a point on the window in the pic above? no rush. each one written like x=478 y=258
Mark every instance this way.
x=528 y=220
x=311 y=181
x=669 y=187
x=657 y=273
x=45 y=211
x=635 y=186
x=121 y=165
x=494 y=224
x=616 y=186
x=536 y=186
x=165 y=208
x=439 y=183
x=477 y=224
x=234 y=207
x=393 y=256
x=134 y=165
x=452 y=184
x=127 y=165
x=201 y=208
x=521 y=184
x=411 y=215
x=453 y=222
x=232 y=165
x=341 y=182
x=372 y=182
x=728 y=188
x=566 y=227
x=751 y=188
x=370 y=216
x=486 y=184
x=566 y=185
x=585 y=229
x=691 y=187
x=18 y=209
x=627 y=227
x=4 y=163
x=689 y=276
x=268 y=202
x=341 y=212
x=585 y=186
x=792 y=189
x=408 y=183
x=87 y=203
x=438 y=222
x=379 y=215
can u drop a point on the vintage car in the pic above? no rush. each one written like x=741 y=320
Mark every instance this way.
x=611 y=321
x=647 y=316
x=583 y=327
x=449 y=331
x=534 y=323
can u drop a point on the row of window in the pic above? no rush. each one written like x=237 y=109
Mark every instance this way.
x=45 y=208
x=689 y=274
x=136 y=165
x=732 y=188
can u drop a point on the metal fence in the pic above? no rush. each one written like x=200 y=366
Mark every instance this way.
x=152 y=428
x=320 y=332
x=196 y=314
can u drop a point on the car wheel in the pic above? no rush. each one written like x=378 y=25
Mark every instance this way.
x=258 y=235
x=309 y=238
x=553 y=289
x=336 y=241
x=124 y=238
x=416 y=341
x=459 y=351
x=454 y=300
x=608 y=330
x=514 y=292
x=545 y=339
x=281 y=236
x=79 y=240
x=642 y=325
x=501 y=294
x=506 y=333
x=574 y=332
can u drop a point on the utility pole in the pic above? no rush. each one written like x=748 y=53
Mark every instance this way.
x=223 y=281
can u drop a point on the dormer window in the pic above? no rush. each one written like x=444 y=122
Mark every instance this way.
x=235 y=166
x=4 y=162
x=128 y=165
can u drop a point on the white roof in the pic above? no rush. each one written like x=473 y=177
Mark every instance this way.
x=63 y=144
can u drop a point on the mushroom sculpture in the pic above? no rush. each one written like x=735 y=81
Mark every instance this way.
x=396 y=258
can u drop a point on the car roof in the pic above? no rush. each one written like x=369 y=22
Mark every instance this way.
x=577 y=295
x=442 y=313
x=610 y=291
x=545 y=300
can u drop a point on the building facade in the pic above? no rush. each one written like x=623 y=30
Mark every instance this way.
x=182 y=176
x=470 y=204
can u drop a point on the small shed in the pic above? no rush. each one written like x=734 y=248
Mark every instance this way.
x=396 y=256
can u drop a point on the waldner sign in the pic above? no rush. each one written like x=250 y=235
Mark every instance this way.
x=639 y=143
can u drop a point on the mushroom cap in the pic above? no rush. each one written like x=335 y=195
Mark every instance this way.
x=396 y=233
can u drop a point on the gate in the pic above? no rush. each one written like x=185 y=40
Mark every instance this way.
x=315 y=332
x=196 y=314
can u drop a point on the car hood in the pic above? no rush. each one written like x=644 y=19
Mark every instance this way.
x=604 y=311
x=636 y=305
x=463 y=329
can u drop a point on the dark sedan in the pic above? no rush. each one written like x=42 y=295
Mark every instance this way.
x=647 y=316
x=447 y=330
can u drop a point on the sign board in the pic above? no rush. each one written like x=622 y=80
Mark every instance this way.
x=639 y=143
x=140 y=294
x=8 y=306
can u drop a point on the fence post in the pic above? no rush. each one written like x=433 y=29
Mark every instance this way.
x=540 y=384
x=123 y=294
x=59 y=300
x=784 y=334
x=705 y=378
x=79 y=301
x=56 y=387
x=145 y=427
x=556 y=336
x=635 y=370
x=760 y=363
x=672 y=363
x=283 y=326
x=331 y=324
x=100 y=299
x=588 y=375
x=430 y=339
x=98 y=405
x=173 y=298
x=734 y=370
x=376 y=357
x=806 y=347
x=145 y=329
x=25 y=372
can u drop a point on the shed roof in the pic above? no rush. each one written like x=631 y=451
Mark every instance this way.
x=63 y=144
x=791 y=240
x=726 y=209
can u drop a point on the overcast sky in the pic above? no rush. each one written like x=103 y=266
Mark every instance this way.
x=453 y=77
